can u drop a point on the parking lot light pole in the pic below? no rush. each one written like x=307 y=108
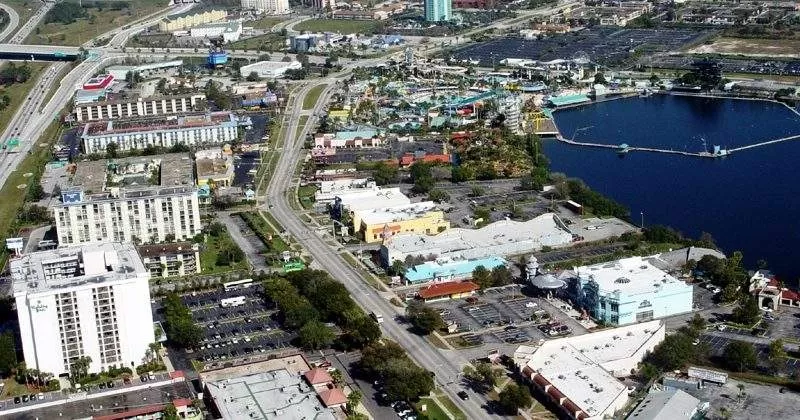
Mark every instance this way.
x=642 y=214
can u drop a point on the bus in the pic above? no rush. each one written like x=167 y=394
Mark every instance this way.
x=231 y=302
x=238 y=284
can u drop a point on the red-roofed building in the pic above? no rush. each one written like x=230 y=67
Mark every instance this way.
x=332 y=397
x=99 y=82
x=448 y=290
x=180 y=404
x=318 y=376
x=767 y=289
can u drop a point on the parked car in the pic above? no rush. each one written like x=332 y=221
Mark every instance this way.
x=463 y=395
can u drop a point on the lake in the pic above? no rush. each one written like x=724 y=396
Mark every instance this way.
x=749 y=201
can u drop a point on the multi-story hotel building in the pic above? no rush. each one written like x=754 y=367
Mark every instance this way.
x=139 y=107
x=141 y=199
x=191 y=130
x=89 y=301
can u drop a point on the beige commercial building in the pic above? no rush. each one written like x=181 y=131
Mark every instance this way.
x=187 y=21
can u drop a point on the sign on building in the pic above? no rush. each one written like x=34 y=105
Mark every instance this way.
x=15 y=244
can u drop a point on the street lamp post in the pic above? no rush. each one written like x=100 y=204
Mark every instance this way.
x=642 y=214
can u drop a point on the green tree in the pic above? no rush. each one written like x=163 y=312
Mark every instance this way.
x=424 y=318
x=315 y=335
x=482 y=277
x=600 y=79
x=482 y=375
x=422 y=176
x=253 y=77
x=361 y=331
x=461 y=174
x=438 y=196
x=698 y=323
x=112 y=150
x=747 y=312
x=501 y=276
x=170 y=412
x=398 y=268
x=777 y=355
x=740 y=356
x=384 y=174
x=673 y=353
x=180 y=327
x=407 y=381
x=8 y=353
x=514 y=397
x=353 y=400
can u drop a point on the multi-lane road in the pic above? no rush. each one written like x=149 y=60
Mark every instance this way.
x=447 y=365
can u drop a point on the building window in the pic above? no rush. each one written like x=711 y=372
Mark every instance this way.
x=614 y=319
x=615 y=307
x=645 y=304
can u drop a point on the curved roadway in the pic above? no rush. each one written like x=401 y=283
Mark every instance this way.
x=13 y=21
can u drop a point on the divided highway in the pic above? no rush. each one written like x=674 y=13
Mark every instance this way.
x=13 y=21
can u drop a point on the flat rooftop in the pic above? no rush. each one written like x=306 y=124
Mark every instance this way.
x=43 y=271
x=504 y=237
x=581 y=367
x=631 y=276
x=134 y=173
x=278 y=394
x=134 y=99
x=432 y=269
x=371 y=198
x=137 y=125
x=397 y=213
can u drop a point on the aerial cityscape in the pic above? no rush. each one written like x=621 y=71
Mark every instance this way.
x=431 y=209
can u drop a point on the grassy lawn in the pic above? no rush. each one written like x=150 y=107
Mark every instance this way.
x=432 y=410
x=98 y=22
x=366 y=27
x=208 y=256
x=265 y=23
x=266 y=42
x=13 y=196
x=313 y=96
x=12 y=388
x=450 y=406
x=274 y=243
x=305 y=195
x=18 y=91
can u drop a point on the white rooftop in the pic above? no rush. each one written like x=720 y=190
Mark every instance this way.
x=673 y=404
x=373 y=198
x=631 y=276
x=396 y=213
x=504 y=237
x=60 y=268
x=277 y=394
x=328 y=190
x=582 y=367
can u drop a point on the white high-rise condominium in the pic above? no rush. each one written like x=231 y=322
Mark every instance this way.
x=140 y=199
x=438 y=10
x=274 y=7
x=89 y=301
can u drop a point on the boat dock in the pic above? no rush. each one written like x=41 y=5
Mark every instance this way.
x=624 y=148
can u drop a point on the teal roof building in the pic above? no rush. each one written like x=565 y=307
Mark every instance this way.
x=448 y=270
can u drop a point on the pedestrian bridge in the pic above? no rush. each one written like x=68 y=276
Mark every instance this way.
x=38 y=52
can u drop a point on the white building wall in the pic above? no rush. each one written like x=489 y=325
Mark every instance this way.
x=191 y=136
x=41 y=338
x=142 y=218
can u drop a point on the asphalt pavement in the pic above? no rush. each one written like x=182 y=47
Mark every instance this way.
x=447 y=365
x=13 y=21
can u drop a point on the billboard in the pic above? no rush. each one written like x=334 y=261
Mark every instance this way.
x=708 y=375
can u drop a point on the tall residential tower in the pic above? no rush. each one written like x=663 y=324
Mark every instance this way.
x=89 y=301
x=438 y=10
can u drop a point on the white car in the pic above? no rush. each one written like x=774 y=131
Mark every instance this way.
x=722 y=327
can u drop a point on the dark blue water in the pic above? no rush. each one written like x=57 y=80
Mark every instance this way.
x=749 y=201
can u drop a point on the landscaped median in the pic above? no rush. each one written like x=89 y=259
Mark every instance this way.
x=272 y=240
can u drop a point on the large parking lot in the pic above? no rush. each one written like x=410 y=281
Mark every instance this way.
x=603 y=45
x=235 y=333
x=717 y=342
x=501 y=315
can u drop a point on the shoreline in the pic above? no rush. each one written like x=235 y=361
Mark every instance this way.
x=620 y=150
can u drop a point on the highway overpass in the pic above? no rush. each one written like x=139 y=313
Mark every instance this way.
x=38 y=52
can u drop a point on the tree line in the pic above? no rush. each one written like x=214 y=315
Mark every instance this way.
x=309 y=299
